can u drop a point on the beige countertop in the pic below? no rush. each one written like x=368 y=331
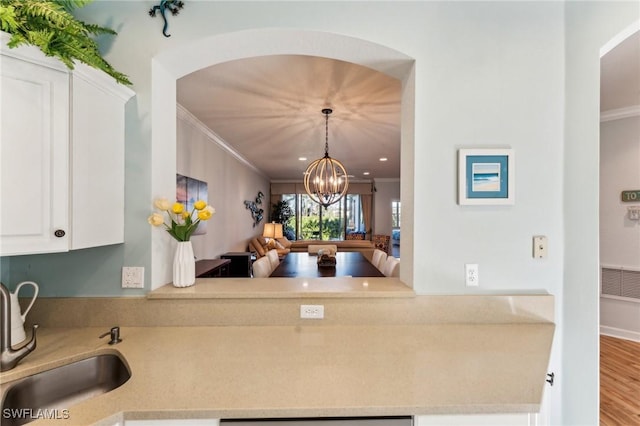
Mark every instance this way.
x=294 y=287
x=306 y=371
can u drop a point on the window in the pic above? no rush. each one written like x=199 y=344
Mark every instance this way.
x=309 y=215
x=395 y=214
x=311 y=221
x=290 y=230
x=354 y=217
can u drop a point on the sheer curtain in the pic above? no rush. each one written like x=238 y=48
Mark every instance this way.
x=365 y=204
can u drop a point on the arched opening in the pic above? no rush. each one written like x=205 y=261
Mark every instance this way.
x=169 y=66
x=619 y=307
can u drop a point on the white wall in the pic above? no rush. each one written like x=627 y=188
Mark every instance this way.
x=619 y=170
x=500 y=73
x=619 y=236
x=229 y=183
x=387 y=190
x=588 y=27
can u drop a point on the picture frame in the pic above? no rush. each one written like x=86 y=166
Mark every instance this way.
x=188 y=191
x=486 y=177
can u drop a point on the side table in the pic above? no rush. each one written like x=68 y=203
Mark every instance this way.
x=240 y=263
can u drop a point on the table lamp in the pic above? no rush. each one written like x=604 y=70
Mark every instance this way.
x=272 y=231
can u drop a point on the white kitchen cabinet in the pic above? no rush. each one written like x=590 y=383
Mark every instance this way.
x=337 y=421
x=61 y=155
x=34 y=156
x=173 y=422
x=97 y=158
x=512 y=419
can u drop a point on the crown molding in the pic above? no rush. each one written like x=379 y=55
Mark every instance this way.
x=620 y=113
x=187 y=116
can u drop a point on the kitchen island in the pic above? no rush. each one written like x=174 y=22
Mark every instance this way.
x=258 y=371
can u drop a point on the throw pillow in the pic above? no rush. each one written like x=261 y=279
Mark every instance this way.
x=285 y=242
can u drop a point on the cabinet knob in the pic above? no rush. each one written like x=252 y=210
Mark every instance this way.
x=59 y=233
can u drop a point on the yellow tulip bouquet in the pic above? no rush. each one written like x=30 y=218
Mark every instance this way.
x=183 y=222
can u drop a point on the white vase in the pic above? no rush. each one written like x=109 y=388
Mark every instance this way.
x=184 y=265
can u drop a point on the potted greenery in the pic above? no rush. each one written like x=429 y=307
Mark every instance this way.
x=49 y=25
x=281 y=212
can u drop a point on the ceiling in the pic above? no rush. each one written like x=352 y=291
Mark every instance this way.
x=268 y=109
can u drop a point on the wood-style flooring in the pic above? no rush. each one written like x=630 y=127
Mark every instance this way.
x=619 y=382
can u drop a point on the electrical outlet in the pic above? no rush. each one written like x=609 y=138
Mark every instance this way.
x=312 y=311
x=471 y=275
x=132 y=277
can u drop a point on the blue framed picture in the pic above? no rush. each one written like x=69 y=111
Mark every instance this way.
x=486 y=176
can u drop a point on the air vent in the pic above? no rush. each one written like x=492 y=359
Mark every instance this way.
x=621 y=282
x=612 y=281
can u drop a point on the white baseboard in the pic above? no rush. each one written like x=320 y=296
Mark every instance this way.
x=620 y=333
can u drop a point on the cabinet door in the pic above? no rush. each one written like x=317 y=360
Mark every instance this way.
x=97 y=169
x=34 y=158
x=173 y=422
x=513 y=419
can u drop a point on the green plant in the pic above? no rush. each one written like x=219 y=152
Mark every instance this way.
x=331 y=228
x=281 y=212
x=309 y=227
x=49 y=25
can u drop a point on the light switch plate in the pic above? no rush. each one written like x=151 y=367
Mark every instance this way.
x=132 y=277
x=539 y=247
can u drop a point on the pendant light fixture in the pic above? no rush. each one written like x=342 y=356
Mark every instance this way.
x=325 y=180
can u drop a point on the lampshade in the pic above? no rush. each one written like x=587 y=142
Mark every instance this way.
x=325 y=179
x=272 y=230
x=278 y=230
x=269 y=230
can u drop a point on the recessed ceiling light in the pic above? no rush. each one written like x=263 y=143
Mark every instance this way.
x=383 y=159
x=366 y=173
x=302 y=158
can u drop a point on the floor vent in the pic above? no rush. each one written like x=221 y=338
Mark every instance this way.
x=621 y=282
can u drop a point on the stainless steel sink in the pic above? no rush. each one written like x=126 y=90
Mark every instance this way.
x=52 y=392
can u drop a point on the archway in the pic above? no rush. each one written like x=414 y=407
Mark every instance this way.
x=170 y=65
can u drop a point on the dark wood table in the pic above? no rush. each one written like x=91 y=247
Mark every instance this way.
x=305 y=265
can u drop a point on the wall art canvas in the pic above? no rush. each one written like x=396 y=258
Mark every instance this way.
x=188 y=191
x=486 y=176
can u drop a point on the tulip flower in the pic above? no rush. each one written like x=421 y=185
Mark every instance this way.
x=182 y=223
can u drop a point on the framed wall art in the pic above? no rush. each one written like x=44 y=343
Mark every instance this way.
x=188 y=191
x=486 y=176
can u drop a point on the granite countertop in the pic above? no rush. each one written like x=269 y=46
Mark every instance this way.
x=306 y=371
x=286 y=288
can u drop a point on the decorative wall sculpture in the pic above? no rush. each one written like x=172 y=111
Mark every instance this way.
x=256 y=212
x=172 y=6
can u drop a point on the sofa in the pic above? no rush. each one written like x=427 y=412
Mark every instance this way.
x=260 y=247
x=365 y=247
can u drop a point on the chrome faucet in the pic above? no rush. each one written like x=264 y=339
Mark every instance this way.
x=10 y=357
x=115 y=335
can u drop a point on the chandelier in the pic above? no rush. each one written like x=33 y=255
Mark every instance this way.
x=325 y=180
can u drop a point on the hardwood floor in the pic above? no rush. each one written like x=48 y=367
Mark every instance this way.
x=619 y=382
